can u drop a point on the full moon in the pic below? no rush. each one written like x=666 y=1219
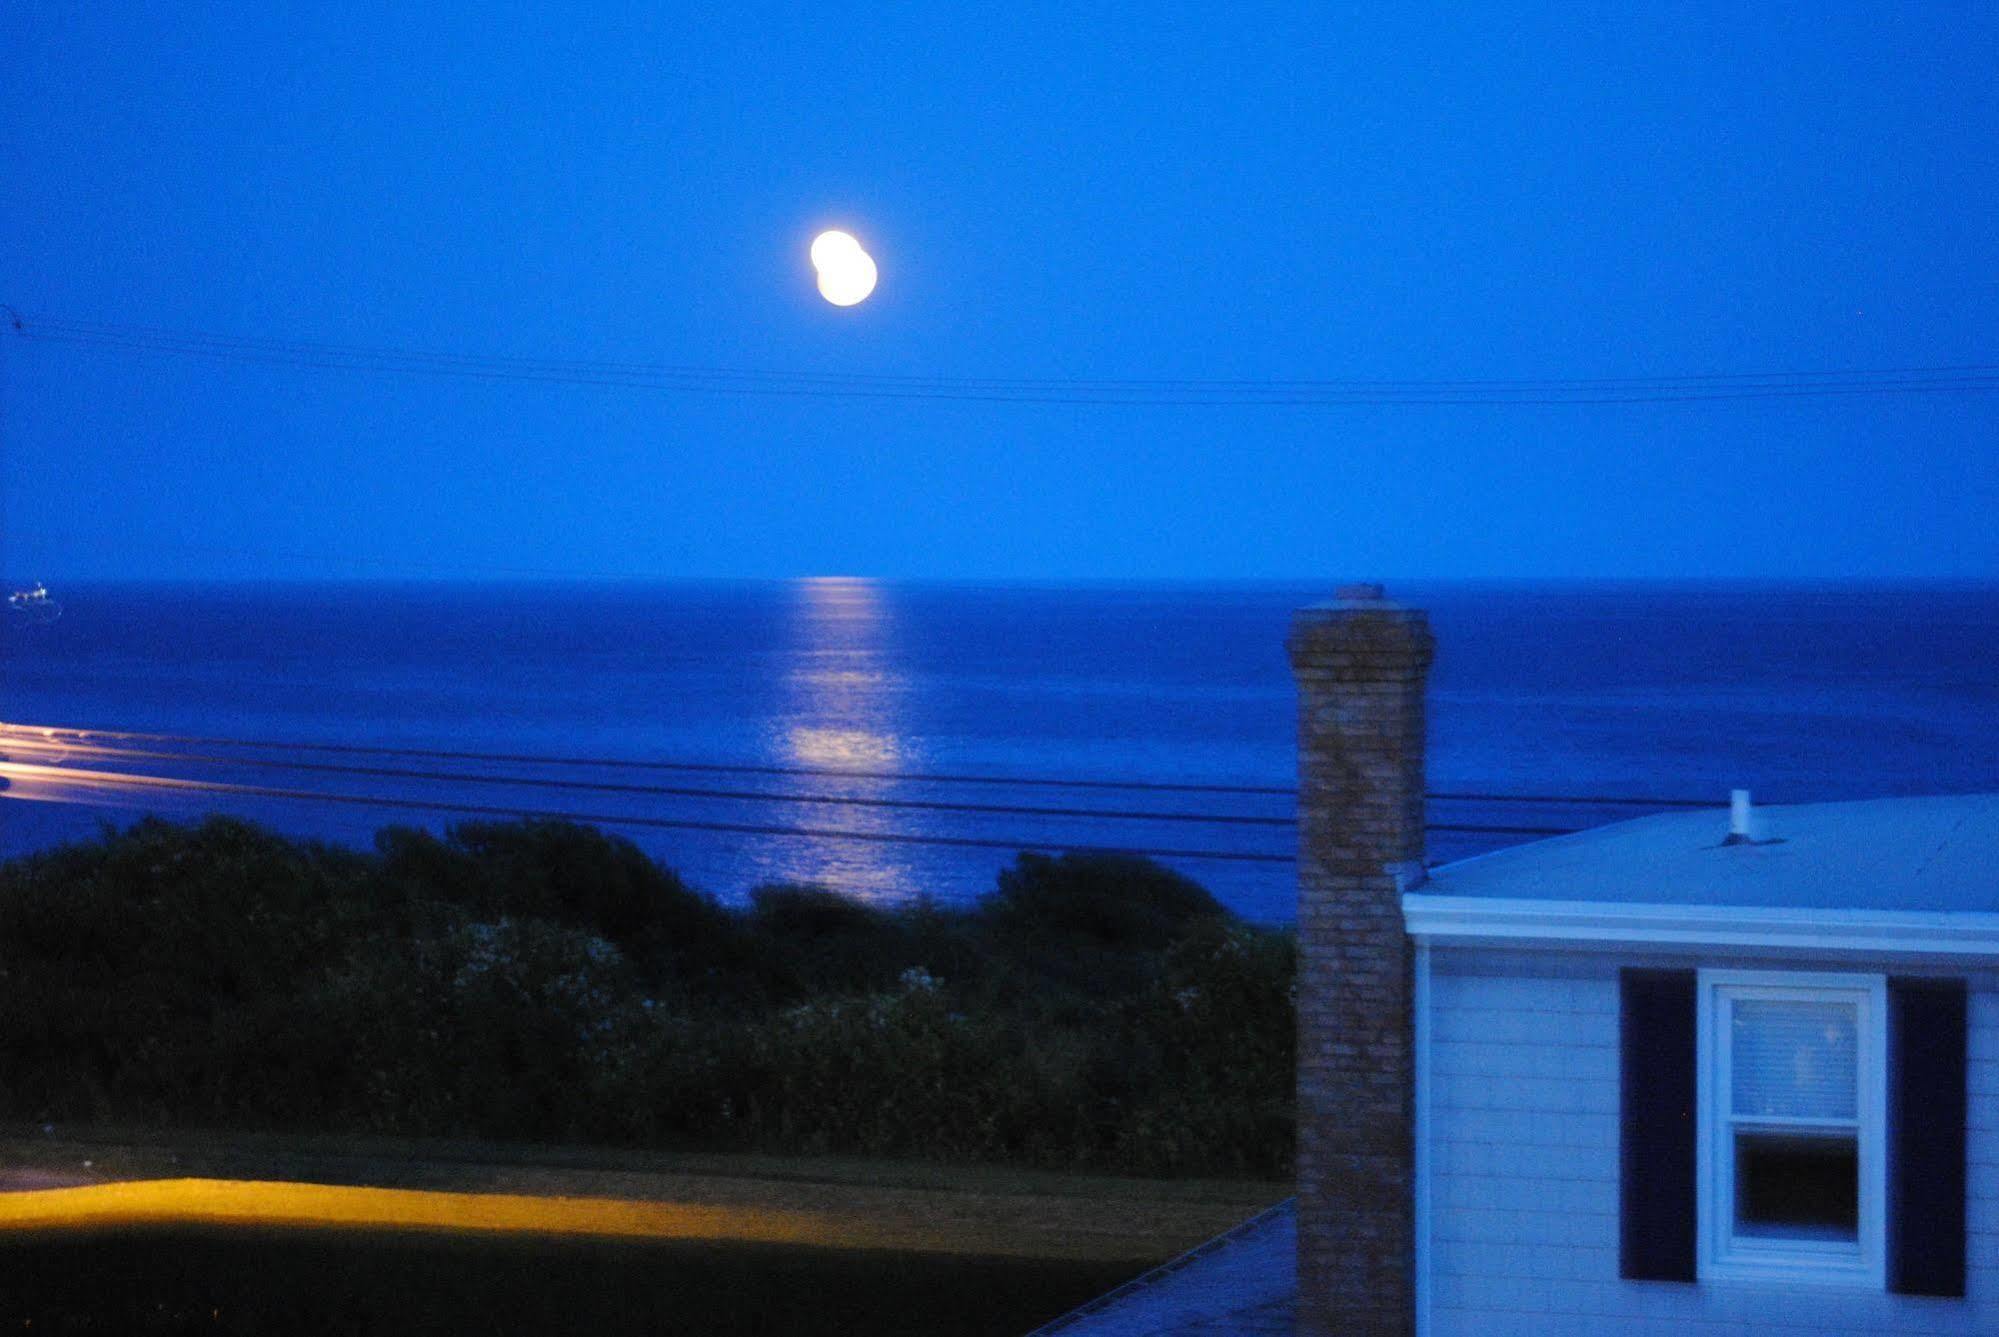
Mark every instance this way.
x=847 y=273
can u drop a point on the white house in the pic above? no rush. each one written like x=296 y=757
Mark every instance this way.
x=1717 y=1072
x=1674 y=1076
x=1710 y=1072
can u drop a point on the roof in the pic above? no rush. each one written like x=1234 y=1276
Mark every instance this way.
x=1242 y=1282
x=1938 y=854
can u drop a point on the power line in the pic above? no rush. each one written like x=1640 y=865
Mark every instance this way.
x=622 y=763
x=626 y=820
x=85 y=735
x=81 y=329
x=1967 y=378
x=683 y=791
x=151 y=336
x=1578 y=800
x=759 y=796
x=125 y=780
x=13 y=323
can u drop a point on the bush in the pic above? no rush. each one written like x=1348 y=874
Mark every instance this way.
x=1076 y=930
x=149 y=970
x=1118 y=901
x=535 y=980
x=1221 y=1025
x=567 y=874
x=811 y=941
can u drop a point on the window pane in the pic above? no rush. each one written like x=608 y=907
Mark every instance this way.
x=1792 y=1187
x=1794 y=1060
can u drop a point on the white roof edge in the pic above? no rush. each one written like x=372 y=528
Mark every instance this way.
x=1567 y=923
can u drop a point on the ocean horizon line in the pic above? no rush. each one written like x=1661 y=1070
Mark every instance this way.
x=1028 y=583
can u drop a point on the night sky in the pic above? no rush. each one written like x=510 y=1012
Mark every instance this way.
x=1232 y=192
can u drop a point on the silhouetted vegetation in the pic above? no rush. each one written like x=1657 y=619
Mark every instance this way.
x=547 y=981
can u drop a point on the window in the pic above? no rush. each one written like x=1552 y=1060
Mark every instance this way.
x=1792 y=1114
x=1809 y=1203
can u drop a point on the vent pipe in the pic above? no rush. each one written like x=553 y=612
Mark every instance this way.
x=1741 y=821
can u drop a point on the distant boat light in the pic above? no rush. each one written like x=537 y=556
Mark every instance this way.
x=34 y=603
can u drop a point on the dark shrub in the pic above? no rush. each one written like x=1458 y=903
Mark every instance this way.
x=1122 y=901
x=812 y=941
x=572 y=875
x=150 y=968
x=896 y=1073
x=801 y=912
x=1074 y=930
x=544 y=981
x=1217 y=1036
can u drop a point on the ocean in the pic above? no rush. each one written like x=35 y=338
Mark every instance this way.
x=832 y=706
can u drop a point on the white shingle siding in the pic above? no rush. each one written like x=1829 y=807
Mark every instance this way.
x=1523 y=1099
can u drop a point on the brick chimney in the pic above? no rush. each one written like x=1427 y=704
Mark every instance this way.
x=1361 y=664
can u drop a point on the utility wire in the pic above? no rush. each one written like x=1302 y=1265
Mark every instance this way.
x=616 y=820
x=1970 y=378
x=13 y=325
x=680 y=791
x=759 y=796
x=43 y=327
x=1261 y=397
x=609 y=763
x=122 y=780
x=33 y=732
x=1578 y=800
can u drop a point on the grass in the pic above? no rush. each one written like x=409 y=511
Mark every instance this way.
x=888 y=1247
x=207 y=1280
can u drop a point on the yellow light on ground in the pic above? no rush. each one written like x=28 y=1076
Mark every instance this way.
x=984 y=1214
x=255 y=1203
x=847 y=273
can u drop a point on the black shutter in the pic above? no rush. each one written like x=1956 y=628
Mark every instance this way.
x=1926 y=1120
x=1656 y=1142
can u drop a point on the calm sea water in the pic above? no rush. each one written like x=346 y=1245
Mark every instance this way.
x=1799 y=693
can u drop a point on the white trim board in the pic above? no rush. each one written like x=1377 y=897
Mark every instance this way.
x=1575 y=925
x=1425 y=1079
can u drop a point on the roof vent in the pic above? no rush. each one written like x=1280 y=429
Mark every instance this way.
x=1744 y=824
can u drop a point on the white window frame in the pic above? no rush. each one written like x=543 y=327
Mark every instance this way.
x=1725 y=1256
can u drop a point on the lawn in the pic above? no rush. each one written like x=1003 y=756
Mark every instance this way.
x=622 y=1243
x=243 y=1280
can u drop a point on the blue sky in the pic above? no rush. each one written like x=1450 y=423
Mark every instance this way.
x=1245 y=191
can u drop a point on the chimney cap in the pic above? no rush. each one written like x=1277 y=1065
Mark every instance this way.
x=1360 y=591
